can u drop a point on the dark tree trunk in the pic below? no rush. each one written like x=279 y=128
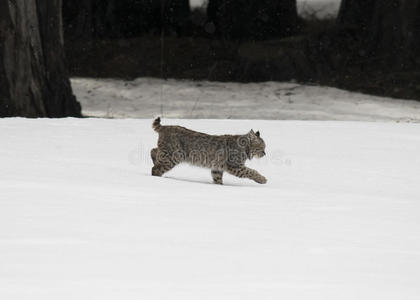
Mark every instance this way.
x=356 y=14
x=396 y=25
x=33 y=76
x=176 y=15
x=387 y=26
x=253 y=19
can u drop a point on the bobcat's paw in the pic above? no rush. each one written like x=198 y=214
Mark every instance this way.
x=261 y=180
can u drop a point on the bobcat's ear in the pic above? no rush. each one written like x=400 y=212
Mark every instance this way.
x=257 y=134
x=251 y=132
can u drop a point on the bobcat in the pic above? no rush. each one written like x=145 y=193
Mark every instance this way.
x=220 y=153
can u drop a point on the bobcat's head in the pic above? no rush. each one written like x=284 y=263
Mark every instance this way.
x=256 y=144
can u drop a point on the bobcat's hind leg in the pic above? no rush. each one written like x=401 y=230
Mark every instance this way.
x=217 y=176
x=244 y=172
x=153 y=154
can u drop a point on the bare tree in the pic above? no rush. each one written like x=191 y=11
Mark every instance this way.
x=33 y=77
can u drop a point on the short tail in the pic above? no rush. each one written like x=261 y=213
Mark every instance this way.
x=156 y=124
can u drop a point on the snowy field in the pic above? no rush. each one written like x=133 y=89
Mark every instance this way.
x=81 y=217
x=147 y=97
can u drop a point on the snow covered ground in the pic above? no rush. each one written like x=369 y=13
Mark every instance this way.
x=81 y=217
x=147 y=97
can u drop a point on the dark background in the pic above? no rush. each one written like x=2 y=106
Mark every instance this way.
x=372 y=46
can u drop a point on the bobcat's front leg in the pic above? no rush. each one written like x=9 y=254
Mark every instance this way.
x=244 y=172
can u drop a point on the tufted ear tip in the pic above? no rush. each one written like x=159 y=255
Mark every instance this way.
x=257 y=133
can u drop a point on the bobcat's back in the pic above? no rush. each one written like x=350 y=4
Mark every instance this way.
x=200 y=149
